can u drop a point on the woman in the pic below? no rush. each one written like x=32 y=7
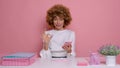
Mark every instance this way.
x=58 y=42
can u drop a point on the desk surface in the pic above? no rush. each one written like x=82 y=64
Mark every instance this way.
x=60 y=63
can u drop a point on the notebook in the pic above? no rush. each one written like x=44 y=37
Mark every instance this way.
x=18 y=59
x=19 y=55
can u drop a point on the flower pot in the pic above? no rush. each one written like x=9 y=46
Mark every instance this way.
x=110 y=60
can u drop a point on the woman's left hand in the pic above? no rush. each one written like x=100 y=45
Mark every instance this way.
x=67 y=46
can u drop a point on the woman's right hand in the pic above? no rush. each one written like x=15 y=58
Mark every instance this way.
x=46 y=39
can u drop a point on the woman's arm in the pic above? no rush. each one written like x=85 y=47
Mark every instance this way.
x=72 y=38
x=45 y=52
x=46 y=39
x=70 y=46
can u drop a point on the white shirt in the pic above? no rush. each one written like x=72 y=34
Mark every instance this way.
x=57 y=41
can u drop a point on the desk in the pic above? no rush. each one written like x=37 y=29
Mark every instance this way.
x=60 y=63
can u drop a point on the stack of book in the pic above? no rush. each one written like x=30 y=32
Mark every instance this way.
x=18 y=59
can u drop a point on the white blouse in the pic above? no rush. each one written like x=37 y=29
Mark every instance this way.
x=57 y=41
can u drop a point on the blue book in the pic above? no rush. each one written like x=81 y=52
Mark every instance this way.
x=20 y=55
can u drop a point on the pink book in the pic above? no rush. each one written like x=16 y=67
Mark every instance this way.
x=82 y=62
x=18 y=59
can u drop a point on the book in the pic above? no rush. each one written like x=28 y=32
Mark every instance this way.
x=18 y=59
x=19 y=55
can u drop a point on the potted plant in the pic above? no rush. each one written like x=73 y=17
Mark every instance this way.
x=110 y=51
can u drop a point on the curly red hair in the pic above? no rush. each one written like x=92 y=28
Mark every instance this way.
x=58 y=10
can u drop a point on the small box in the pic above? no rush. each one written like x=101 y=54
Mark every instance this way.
x=18 y=59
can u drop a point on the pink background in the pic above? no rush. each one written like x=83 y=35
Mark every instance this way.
x=95 y=22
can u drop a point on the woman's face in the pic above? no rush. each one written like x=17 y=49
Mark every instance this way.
x=58 y=23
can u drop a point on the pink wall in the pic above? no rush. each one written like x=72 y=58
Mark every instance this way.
x=96 y=22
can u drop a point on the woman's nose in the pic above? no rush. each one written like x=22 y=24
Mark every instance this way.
x=58 y=21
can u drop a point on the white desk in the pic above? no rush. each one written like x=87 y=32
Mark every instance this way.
x=59 y=63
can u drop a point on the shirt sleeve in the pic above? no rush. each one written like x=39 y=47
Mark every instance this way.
x=45 y=53
x=72 y=38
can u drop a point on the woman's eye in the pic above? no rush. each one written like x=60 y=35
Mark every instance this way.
x=61 y=19
x=58 y=19
x=55 y=19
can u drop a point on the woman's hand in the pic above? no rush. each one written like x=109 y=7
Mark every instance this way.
x=46 y=39
x=67 y=46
